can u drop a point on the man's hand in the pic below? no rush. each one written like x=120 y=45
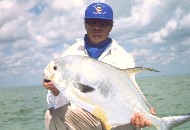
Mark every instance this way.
x=139 y=120
x=49 y=85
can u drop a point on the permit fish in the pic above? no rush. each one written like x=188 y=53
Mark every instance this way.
x=105 y=91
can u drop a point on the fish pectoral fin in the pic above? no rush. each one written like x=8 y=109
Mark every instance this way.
x=84 y=88
x=133 y=71
x=79 y=99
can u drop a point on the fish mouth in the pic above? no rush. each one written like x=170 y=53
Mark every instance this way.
x=47 y=80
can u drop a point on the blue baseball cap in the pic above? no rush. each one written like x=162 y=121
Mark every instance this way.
x=99 y=11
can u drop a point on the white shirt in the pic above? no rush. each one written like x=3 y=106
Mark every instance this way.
x=114 y=55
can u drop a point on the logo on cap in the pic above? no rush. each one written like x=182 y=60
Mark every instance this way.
x=99 y=9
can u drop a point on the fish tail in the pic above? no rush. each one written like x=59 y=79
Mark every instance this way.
x=168 y=123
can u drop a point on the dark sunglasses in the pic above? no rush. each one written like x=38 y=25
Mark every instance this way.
x=99 y=22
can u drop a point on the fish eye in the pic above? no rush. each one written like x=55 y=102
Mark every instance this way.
x=55 y=67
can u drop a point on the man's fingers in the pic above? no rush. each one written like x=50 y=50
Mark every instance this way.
x=148 y=123
x=135 y=120
x=48 y=85
x=142 y=121
x=139 y=120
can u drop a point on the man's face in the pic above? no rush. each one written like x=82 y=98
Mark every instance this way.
x=97 y=29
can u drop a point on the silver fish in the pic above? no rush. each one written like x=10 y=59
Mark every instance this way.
x=105 y=91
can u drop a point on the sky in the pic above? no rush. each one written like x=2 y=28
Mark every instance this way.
x=32 y=32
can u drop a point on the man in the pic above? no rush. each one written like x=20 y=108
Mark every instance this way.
x=96 y=44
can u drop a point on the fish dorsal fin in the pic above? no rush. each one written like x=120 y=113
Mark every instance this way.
x=135 y=70
x=132 y=71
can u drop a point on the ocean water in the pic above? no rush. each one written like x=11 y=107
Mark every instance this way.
x=23 y=108
x=169 y=95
